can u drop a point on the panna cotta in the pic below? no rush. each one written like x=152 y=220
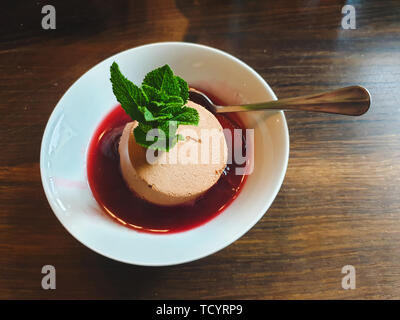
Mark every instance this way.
x=181 y=175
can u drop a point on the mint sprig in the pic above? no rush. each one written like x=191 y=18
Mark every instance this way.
x=158 y=105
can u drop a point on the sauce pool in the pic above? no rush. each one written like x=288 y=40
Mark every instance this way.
x=113 y=195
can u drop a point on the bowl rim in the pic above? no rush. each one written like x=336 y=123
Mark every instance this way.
x=57 y=109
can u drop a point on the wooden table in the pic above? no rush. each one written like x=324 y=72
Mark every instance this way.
x=340 y=201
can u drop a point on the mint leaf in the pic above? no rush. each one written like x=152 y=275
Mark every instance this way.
x=128 y=95
x=152 y=93
x=158 y=105
x=142 y=138
x=183 y=115
x=183 y=89
x=164 y=80
x=174 y=101
x=158 y=98
x=188 y=116
x=161 y=138
x=150 y=116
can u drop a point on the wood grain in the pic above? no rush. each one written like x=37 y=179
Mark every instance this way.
x=339 y=203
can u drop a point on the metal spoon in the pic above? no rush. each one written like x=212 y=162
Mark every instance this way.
x=352 y=101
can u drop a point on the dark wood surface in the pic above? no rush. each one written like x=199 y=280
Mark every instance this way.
x=339 y=203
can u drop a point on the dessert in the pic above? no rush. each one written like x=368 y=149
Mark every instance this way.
x=177 y=177
x=186 y=181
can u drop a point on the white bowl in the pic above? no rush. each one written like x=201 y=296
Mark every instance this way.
x=78 y=113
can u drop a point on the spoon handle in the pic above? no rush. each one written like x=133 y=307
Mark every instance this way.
x=352 y=101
